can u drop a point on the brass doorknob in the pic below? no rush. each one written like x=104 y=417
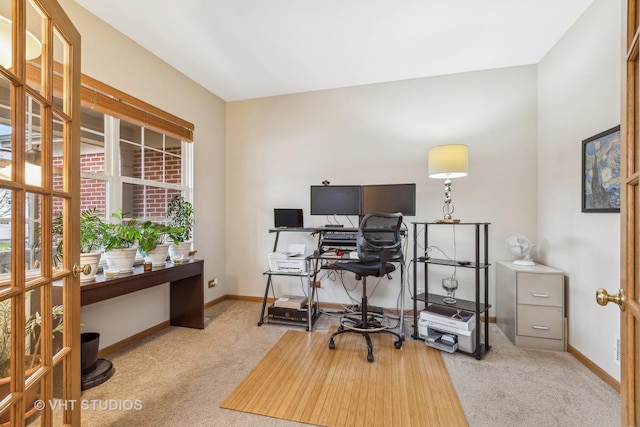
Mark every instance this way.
x=77 y=269
x=603 y=298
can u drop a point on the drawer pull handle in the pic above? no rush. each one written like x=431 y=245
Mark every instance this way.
x=540 y=295
x=544 y=328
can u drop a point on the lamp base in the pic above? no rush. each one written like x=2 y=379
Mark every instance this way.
x=446 y=221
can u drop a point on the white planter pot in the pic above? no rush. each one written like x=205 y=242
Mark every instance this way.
x=158 y=255
x=121 y=260
x=93 y=259
x=179 y=252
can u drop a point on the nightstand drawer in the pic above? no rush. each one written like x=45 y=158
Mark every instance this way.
x=540 y=289
x=539 y=321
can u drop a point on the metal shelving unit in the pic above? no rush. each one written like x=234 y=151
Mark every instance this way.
x=313 y=312
x=481 y=267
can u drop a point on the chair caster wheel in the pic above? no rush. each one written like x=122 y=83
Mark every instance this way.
x=398 y=344
x=332 y=345
x=370 y=357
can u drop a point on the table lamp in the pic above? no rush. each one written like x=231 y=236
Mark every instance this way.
x=446 y=162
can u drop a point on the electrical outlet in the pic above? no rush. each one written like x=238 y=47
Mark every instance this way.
x=316 y=284
x=420 y=291
x=213 y=282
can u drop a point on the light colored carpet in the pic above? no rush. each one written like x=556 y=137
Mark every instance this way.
x=512 y=386
x=301 y=379
x=182 y=376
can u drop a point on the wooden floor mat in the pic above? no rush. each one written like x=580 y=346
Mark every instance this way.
x=301 y=380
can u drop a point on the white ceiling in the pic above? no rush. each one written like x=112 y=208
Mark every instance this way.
x=242 y=49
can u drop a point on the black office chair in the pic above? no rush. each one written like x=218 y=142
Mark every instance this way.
x=379 y=248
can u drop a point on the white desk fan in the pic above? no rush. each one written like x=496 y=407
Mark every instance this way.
x=520 y=245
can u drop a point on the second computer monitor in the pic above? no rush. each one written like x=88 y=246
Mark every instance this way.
x=389 y=198
x=336 y=199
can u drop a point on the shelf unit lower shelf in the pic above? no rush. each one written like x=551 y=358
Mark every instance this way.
x=460 y=303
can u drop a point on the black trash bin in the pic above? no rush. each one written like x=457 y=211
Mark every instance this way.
x=90 y=341
x=94 y=371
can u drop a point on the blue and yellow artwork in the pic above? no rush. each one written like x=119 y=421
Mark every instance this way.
x=601 y=172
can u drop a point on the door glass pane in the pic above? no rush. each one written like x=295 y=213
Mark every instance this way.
x=35 y=337
x=5 y=347
x=35 y=253
x=57 y=232
x=34 y=43
x=60 y=48
x=58 y=152
x=5 y=129
x=33 y=120
x=5 y=234
x=5 y=24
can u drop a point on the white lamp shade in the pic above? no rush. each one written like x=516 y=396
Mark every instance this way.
x=34 y=47
x=448 y=161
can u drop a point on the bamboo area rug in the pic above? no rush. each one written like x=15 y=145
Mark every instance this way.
x=301 y=380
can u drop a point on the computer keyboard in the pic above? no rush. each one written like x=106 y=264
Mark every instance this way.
x=340 y=236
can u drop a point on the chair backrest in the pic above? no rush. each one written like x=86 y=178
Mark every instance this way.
x=379 y=237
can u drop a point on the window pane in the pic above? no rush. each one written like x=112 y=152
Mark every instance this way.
x=173 y=174
x=92 y=141
x=130 y=160
x=153 y=165
x=144 y=201
x=93 y=193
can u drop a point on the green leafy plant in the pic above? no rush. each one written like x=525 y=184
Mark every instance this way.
x=92 y=231
x=180 y=215
x=31 y=333
x=122 y=234
x=153 y=234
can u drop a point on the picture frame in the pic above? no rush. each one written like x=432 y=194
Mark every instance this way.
x=601 y=172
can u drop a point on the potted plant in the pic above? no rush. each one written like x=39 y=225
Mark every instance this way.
x=180 y=216
x=152 y=243
x=32 y=359
x=92 y=230
x=119 y=242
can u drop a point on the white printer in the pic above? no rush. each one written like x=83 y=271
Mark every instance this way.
x=291 y=261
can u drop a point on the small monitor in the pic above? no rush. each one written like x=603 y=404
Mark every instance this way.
x=389 y=198
x=336 y=199
x=287 y=218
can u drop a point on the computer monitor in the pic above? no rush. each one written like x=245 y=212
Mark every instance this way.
x=335 y=199
x=389 y=198
x=289 y=218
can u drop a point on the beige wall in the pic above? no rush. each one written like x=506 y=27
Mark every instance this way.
x=112 y=58
x=578 y=97
x=277 y=147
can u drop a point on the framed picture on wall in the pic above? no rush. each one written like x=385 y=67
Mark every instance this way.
x=601 y=172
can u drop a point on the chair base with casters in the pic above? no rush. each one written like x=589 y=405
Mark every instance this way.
x=368 y=323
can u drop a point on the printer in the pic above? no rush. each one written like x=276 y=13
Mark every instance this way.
x=293 y=260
